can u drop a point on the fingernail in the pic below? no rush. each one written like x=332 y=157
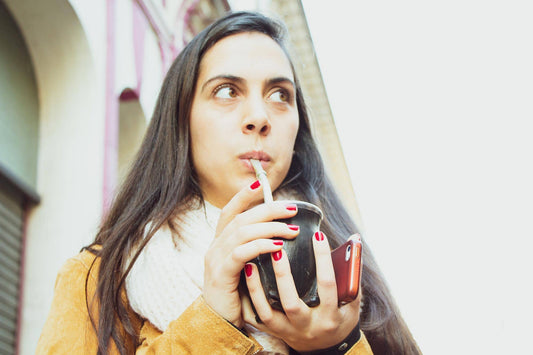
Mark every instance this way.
x=277 y=255
x=291 y=207
x=278 y=242
x=319 y=236
x=248 y=270
x=255 y=185
x=293 y=227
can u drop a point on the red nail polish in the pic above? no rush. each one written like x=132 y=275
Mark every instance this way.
x=278 y=242
x=255 y=185
x=248 y=270
x=291 y=207
x=319 y=236
x=277 y=255
x=293 y=227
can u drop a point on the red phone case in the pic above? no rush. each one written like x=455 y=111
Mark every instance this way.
x=348 y=268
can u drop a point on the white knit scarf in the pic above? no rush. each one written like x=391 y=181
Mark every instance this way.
x=168 y=275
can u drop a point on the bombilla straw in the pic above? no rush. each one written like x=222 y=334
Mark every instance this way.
x=262 y=177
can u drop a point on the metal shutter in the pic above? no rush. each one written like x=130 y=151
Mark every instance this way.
x=11 y=222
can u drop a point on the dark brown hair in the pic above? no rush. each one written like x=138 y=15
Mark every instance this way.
x=162 y=183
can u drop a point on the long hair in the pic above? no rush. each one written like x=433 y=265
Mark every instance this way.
x=162 y=184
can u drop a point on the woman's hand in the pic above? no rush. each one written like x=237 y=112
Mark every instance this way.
x=303 y=328
x=241 y=235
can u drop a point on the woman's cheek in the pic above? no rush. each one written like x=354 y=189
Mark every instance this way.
x=282 y=172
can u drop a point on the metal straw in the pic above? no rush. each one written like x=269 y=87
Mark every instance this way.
x=262 y=177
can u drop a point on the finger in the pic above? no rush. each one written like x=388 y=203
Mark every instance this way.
x=255 y=231
x=248 y=314
x=266 y=317
x=250 y=242
x=266 y=212
x=238 y=204
x=325 y=275
x=294 y=307
x=351 y=311
x=356 y=237
x=246 y=252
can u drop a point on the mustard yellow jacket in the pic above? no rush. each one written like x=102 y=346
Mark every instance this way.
x=199 y=330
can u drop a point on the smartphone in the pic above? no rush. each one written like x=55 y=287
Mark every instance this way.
x=348 y=268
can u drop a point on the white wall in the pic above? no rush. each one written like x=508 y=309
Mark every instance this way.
x=70 y=157
x=432 y=101
x=67 y=41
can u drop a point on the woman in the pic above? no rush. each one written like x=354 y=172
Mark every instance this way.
x=162 y=275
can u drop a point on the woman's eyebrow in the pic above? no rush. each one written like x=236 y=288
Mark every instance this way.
x=237 y=79
x=222 y=77
x=280 y=80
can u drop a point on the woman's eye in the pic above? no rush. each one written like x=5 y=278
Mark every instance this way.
x=225 y=92
x=280 y=96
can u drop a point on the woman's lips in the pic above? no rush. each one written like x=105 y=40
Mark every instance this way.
x=263 y=157
x=248 y=164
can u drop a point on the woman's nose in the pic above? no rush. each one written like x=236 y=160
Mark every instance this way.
x=256 y=119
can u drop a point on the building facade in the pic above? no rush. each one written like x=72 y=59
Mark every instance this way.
x=78 y=83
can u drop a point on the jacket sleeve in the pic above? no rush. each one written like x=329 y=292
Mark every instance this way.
x=68 y=329
x=198 y=330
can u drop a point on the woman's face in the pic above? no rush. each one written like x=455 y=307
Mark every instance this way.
x=244 y=107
